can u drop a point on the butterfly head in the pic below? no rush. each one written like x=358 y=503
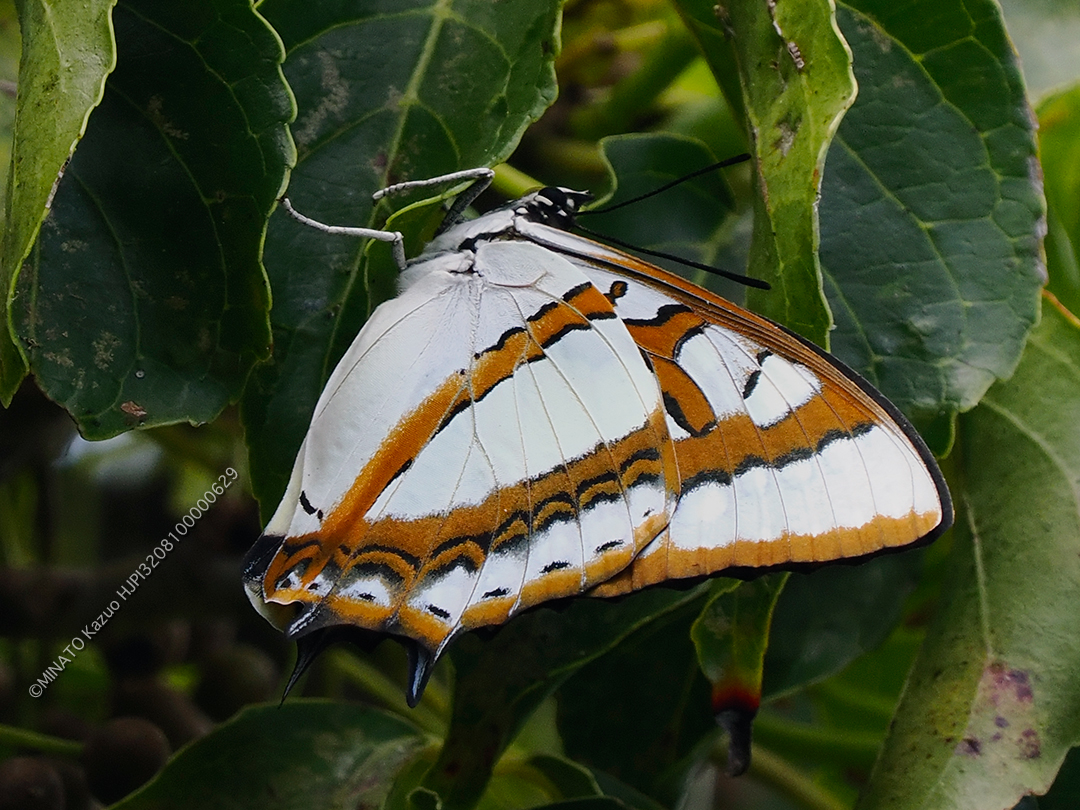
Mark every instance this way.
x=555 y=206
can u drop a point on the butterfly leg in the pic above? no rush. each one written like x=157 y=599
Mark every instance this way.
x=481 y=178
x=395 y=237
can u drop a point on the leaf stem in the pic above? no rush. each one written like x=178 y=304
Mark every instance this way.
x=840 y=746
x=778 y=773
x=429 y=715
x=512 y=183
x=24 y=738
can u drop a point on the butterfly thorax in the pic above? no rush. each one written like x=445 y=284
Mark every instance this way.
x=552 y=206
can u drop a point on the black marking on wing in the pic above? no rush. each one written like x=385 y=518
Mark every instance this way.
x=692 y=332
x=483 y=540
x=435 y=610
x=721 y=477
x=374 y=569
x=662 y=316
x=645 y=454
x=755 y=377
x=544 y=310
x=574 y=292
x=403 y=468
x=618 y=290
x=496 y=592
x=502 y=341
x=675 y=411
x=565 y=511
x=305 y=504
x=557 y=565
x=608 y=546
x=589 y=483
x=751 y=384
x=295 y=544
x=410 y=559
x=555 y=337
x=793 y=456
x=749 y=463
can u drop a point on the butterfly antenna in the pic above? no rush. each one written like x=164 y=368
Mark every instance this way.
x=731 y=161
x=708 y=268
x=749 y=281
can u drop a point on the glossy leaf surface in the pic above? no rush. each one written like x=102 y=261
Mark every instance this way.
x=68 y=50
x=302 y=754
x=992 y=705
x=144 y=301
x=931 y=208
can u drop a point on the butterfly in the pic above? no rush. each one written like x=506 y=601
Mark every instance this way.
x=538 y=416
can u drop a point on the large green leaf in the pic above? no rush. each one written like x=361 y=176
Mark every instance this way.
x=931 y=209
x=655 y=671
x=386 y=91
x=993 y=702
x=795 y=78
x=500 y=682
x=303 y=754
x=144 y=301
x=68 y=50
x=826 y=619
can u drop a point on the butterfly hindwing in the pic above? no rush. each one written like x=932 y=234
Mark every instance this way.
x=515 y=452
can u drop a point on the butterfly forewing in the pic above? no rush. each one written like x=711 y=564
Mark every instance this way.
x=785 y=456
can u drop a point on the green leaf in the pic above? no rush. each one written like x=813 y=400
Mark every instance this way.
x=500 y=682
x=537 y=781
x=144 y=301
x=824 y=620
x=931 y=212
x=796 y=82
x=387 y=92
x=67 y=52
x=302 y=754
x=655 y=671
x=570 y=780
x=1059 y=147
x=993 y=702
x=731 y=636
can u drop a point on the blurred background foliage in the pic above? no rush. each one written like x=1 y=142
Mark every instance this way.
x=598 y=704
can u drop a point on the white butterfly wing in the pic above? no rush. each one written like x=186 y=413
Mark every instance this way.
x=785 y=456
x=493 y=439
